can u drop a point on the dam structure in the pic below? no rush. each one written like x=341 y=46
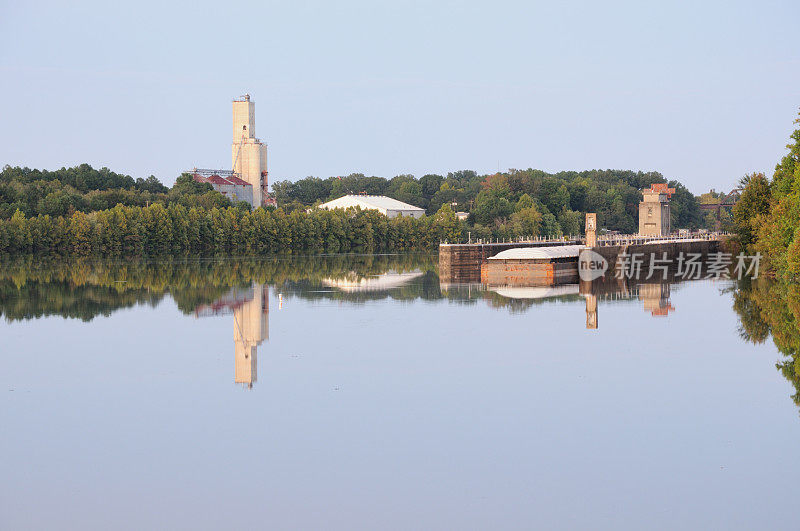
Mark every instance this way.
x=555 y=262
x=550 y=262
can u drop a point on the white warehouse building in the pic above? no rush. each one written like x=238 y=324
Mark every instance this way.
x=387 y=206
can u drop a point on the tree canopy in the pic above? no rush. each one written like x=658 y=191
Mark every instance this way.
x=83 y=188
x=767 y=216
x=560 y=198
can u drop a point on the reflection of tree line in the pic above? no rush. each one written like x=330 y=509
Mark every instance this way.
x=767 y=308
x=86 y=288
x=36 y=298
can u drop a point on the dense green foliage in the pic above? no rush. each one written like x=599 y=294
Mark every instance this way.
x=767 y=217
x=560 y=199
x=157 y=229
x=82 y=188
x=86 y=211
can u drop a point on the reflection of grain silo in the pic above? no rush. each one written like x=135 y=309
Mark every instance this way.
x=250 y=329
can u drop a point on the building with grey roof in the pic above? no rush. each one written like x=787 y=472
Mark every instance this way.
x=387 y=206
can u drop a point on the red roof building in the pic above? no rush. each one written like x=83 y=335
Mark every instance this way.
x=237 y=181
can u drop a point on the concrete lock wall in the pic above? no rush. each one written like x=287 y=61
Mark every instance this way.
x=657 y=250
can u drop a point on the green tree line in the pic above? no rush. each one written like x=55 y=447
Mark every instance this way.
x=82 y=211
x=159 y=229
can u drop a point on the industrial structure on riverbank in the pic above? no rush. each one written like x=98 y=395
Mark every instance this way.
x=225 y=182
x=247 y=179
x=248 y=153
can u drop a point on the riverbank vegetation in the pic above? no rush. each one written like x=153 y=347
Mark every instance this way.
x=767 y=217
x=83 y=211
x=176 y=229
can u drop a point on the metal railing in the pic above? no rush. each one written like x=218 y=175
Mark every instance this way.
x=605 y=240
x=205 y=172
x=633 y=239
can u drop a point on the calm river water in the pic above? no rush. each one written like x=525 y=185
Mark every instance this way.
x=360 y=393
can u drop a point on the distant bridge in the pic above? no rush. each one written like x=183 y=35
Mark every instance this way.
x=726 y=201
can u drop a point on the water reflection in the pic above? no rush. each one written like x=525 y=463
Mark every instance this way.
x=85 y=289
x=591 y=312
x=769 y=308
x=250 y=310
x=655 y=296
x=380 y=370
x=656 y=299
x=88 y=289
x=250 y=329
x=356 y=283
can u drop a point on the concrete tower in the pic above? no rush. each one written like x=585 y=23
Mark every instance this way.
x=248 y=153
x=250 y=329
x=654 y=214
x=591 y=229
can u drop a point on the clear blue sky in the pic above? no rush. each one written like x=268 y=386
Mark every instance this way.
x=701 y=91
